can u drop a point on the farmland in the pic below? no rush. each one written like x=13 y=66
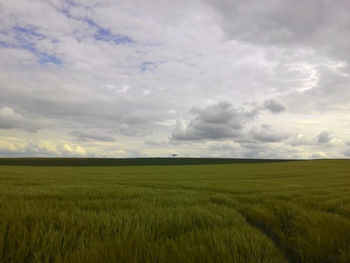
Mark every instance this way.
x=220 y=212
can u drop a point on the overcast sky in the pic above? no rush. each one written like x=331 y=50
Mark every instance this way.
x=209 y=78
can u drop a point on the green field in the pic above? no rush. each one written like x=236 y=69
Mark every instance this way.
x=241 y=212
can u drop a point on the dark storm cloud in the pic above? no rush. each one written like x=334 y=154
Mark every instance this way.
x=324 y=137
x=218 y=121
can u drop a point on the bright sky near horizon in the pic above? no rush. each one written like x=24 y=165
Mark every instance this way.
x=223 y=78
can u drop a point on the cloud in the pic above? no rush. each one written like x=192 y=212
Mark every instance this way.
x=224 y=146
x=89 y=72
x=223 y=120
x=41 y=149
x=266 y=134
x=61 y=148
x=156 y=143
x=9 y=119
x=217 y=121
x=319 y=155
x=273 y=106
x=347 y=152
x=308 y=24
x=314 y=59
x=87 y=137
x=300 y=140
x=329 y=91
x=324 y=137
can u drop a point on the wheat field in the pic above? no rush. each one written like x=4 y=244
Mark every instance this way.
x=264 y=212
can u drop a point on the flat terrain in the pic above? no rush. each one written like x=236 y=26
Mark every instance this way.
x=127 y=161
x=241 y=212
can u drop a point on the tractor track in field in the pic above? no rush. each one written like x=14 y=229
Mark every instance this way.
x=287 y=255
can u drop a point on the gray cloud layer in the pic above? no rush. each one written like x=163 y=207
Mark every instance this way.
x=125 y=78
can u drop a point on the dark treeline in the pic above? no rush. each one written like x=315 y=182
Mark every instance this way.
x=128 y=161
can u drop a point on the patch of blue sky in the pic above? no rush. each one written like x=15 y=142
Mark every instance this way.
x=145 y=66
x=26 y=38
x=6 y=44
x=28 y=31
x=65 y=12
x=19 y=45
x=26 y=35
x=65 y=9
x=45 y=59
x=103 y=34
x=70 y=3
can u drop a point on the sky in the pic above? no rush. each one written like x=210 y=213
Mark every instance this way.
x=200 y=78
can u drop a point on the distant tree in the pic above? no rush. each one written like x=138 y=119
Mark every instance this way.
x=174 y=154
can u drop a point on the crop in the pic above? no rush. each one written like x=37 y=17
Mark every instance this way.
x=250 y=212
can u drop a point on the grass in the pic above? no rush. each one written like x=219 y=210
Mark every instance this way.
x=244 y=212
